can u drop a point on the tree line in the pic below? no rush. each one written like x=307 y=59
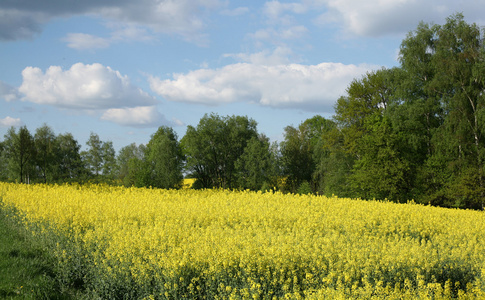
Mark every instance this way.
x=410 y=132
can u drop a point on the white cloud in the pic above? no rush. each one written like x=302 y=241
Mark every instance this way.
x=9 y=122
x=8 y=92
x=82 y=86
x=276 y=11
x=141 y=116
x=120 y=33
x=308 y=87
x=81 y=41
x=23 y=19
x=383 y=17
x=279 y=56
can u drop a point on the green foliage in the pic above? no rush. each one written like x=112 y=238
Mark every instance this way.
x=19 y=153
x=213 y=148
x=45 y=155
x=416 y=132
x=163 y=160
x=297 y=150
x=304 y=188
x=69 y=166
x=256 y=165
x=27 y=270
x=130 y=165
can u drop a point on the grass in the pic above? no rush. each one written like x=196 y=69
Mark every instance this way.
x=26 y=270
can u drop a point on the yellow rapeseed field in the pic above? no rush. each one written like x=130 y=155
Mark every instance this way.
x=137 y=243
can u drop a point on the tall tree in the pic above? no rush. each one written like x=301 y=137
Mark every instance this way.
x=69 y=163
x=332 y=163
x=257 y=165
x=130 y=161
x=444 y=67
x=381 y=166
x=460 y=51
x=99 y=158
x=20 y=152
x=298 y=152
x=93 y=157
x=213 y=147
x=108 y=154
x=45 y=149
x=3 y=162
x=164 y=159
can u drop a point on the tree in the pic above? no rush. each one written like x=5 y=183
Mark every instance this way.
x=164 y=159
x=460 y=51
x=332 y=163
x=383 y=140
x=130 y=162
x=213 y=148
x=93 y=157
x=20 y=153
x=297 y=152
x=45 y=149
x=443 y=86
x=3 y=162
x=369 y=96
x=381 y=171
x=296 y=158
x=69 y=163
x=257 y=165
x=99 y=158
x=109 y=160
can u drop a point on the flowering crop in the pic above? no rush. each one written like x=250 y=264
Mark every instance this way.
x=217 y=244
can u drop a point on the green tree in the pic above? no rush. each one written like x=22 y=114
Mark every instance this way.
x=164 y=160
x=297 y=152
x=100 y=158
x=3 y=162
x=109 y=160
x=381 y=166
x=20 y=153
x=45 y=149
x=70 y=166
x=130 y=161
x=366 y=97
x=460 y=51
x=332 y=163
x=381 y=171
x=213 y=148
x=443 y=109
x=257 y=166
x=93 y=157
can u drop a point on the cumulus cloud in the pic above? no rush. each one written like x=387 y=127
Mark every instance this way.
x=23 y=19
x=141 y=116
x=7 y=92
x=308 y=87
x=383 y=17
x=82 y=86
x=9 y=122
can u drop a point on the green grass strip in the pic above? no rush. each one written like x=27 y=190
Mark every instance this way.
x=26 y=271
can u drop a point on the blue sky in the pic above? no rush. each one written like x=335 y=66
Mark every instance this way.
x=122 y=68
